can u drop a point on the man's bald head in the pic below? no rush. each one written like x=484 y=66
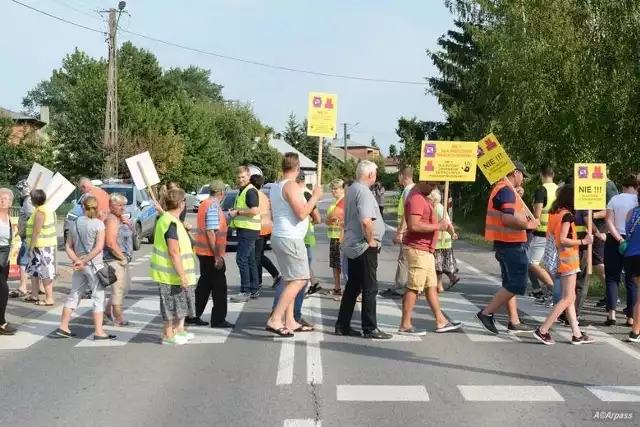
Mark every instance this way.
x=85 y=185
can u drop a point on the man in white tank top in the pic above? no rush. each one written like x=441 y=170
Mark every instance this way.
x=290 y=212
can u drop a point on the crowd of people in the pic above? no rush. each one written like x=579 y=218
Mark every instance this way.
x=547 y=245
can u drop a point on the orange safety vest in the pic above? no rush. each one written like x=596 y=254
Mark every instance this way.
x=266 y=224
x=495 y=229
x=568 y=256
x=200 y=233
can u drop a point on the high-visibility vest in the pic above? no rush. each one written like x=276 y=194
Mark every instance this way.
x=241 y=221
x=402 y=201
x=334 y=231
x=495 y=229
x=568 y=256
x=266 y=224
x=551 y=197
x=162 y=269
x=47 y=237
x=440 y=242
x=201 y=244
x=310 y=237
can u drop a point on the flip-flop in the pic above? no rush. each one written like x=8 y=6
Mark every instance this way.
x=17 y=293
x=44 y=304
x=304 y=328
x=280 y=332
x=31 y=299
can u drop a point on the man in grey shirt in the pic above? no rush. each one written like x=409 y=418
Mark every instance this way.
x=363 y=231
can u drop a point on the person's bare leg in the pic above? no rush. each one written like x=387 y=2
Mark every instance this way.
x=178 y=325
x=337 y=275
x=98 y=318
x=167 y=330
x=408 y=302
x=434 y=303
x=499 y=300
x=24 y=280
x=48 y=291
x=512 y=311
x=541 y=274
x=65 y=318
x=567 y=299
x=286 y=299
x=35 y=287
x=440 y=287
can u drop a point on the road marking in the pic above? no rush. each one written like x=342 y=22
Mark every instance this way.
x=139 y=314
x=460 y=309
x=616 y=393
x=34 y=330
x=207 y=335
x=471 y=268
x=382 y=393
x=285 y=362
x=509 y=393
x=314 y=359
x=302 y=423
x=141 y=279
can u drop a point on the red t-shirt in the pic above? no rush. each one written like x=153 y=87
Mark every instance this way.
x=102 y=197
x=418 y=204
x=340 y=204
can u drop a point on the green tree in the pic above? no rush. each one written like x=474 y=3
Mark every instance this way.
x=393 y=150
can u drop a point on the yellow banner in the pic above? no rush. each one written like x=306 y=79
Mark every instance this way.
x=590 y=186
x=448 y=161
x=493 y=161
x=323 y=114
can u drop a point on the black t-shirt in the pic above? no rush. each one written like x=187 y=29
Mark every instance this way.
x=171 y=233
x=252 y=199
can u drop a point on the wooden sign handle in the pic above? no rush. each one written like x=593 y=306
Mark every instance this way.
x=527 y=212
x=319 y=164
x=38 y=178
x=146 y=181
x=590 y=247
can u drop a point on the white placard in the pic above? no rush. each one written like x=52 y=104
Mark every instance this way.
x=58 y=190
x=39 y=177
x=143 y=171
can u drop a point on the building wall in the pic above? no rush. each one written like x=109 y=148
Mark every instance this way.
x=19 y=131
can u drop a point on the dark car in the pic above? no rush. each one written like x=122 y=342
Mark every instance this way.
x=227 y=204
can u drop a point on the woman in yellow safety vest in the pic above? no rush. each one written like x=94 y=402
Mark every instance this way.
x=335 y=233
x=173 y=268
x=42 y=242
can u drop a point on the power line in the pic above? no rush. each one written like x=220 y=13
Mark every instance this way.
x=230 y=58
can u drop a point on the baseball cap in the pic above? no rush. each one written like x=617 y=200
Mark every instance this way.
x=217 y=186
x=520 y=167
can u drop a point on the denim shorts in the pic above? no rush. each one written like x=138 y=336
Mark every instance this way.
x=514 y=265
x=23 y=255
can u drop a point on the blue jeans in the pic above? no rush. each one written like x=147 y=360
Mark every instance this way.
x=514 y=267
x=613 y=266
x=246 y=260
x=297 y=304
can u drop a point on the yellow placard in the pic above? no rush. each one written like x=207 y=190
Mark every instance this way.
x=448 y=161
x=323 y=114
x=590 y=186
x=493 y=161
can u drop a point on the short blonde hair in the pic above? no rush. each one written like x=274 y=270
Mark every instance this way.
x=336 y=184
x=435 y=196
x=7 y=191
x=116 y=198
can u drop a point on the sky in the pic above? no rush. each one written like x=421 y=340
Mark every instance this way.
x=379 y=39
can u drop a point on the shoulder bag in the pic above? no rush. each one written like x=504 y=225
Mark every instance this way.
x=625 y=243
x=107 y=274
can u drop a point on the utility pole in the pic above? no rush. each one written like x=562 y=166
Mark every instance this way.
x=110 y=141
x=345 y=141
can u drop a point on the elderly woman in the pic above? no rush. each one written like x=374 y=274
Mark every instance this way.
x=173 y=269
x=118 y=251
x=42 y=242
x=26 y=210
x=444 y=257
x=335 y=229
x=6 y=236
x=84 y=248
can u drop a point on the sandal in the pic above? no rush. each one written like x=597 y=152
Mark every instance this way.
x=44 y=303
x=31 y=299
x=283 y=332
x=17 y=293
x=304 y=328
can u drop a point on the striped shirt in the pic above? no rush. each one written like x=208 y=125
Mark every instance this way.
x=212 y=217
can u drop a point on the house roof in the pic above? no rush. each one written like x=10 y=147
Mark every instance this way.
x=339 y=142
x=20 y=117
x=283 y=147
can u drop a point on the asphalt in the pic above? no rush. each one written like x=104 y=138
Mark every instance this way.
x=252 y=378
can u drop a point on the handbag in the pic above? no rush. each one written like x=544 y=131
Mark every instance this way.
x=107 y=274
x=550 y=258
x=622 y=248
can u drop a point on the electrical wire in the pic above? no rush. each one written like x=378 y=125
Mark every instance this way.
x=230 y=58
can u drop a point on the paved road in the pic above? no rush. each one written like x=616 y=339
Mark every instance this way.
x=251 y=378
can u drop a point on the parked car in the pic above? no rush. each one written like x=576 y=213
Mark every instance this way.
x=140 y=210
x=227 y=204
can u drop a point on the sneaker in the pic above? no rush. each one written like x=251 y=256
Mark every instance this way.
x=176 y=340
x=450 y=326
x=487 y=321
x=545 y=339
x=241 y=297
x=195 y=321
x=187 y=335
x=541 y=300
x=276 y=282
x=254 y=295
x=633 y=337
x=519 y=328
x=582 y=339
x=390 y=293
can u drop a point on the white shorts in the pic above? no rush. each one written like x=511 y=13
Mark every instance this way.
x=535 y=253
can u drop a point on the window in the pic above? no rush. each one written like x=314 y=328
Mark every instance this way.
x=229 y=200
x=204 y=190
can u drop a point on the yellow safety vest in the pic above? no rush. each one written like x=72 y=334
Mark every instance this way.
x=162 y=269
x=246 y=222
x=551 y=197
x=334 y=231
x=47 y=237
x=402 y=200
